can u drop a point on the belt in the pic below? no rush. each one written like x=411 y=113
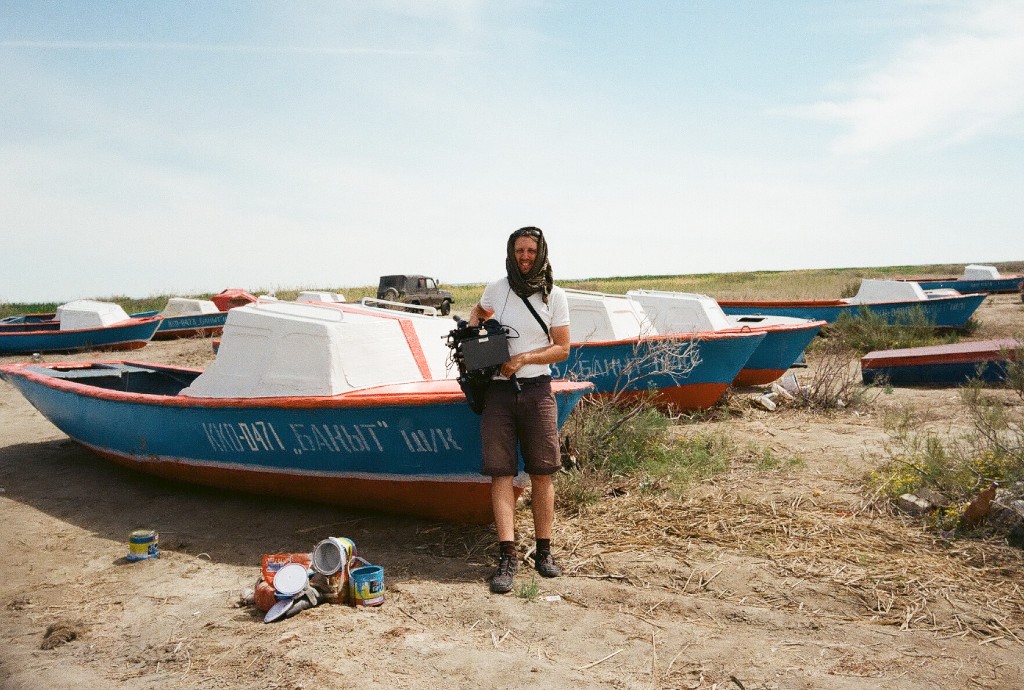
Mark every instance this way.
x=532 y=381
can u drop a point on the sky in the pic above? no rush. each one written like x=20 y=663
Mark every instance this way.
x=152 y=148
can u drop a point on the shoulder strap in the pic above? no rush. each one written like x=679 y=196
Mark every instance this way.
x=533 y=311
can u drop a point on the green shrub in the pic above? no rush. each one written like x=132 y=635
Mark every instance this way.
x=957 y=466
x=866 y=331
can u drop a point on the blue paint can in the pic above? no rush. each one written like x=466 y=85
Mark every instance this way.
x=366 y=584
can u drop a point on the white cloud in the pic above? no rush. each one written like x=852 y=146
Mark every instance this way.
x=962 y=81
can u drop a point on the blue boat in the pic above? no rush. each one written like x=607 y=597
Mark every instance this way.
x=75 y=327
x=975 y=278
x=185 y=317
x=896 y=302
x=334 y=422
x=785 y=338
x=615 y=347
x=943 y=365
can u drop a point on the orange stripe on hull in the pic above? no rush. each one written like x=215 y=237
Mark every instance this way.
x=466 y=501
x=757 y=377
x=695 y=396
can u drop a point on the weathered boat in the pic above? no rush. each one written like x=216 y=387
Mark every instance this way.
x=975 y=278
x=304 y=401
x=893 y=300
x=77 y=326
x=184 y=317
x=616 y=347
x=785 y=337
x=953 y=364
x=232 y=297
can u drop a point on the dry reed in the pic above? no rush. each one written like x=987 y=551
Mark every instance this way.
x=882 y=569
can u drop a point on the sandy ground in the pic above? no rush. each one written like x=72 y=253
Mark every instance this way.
x=761 y=578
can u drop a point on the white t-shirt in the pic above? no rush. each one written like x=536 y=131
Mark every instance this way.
x=510 y=311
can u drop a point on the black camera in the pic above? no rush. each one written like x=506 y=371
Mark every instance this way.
x=478 y=352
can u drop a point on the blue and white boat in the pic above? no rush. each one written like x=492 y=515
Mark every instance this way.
x=893 y=300
x=75 y=327
x=975 y=278
x=184 y=317
x=305 y=401
x=617 y=348
x=785 y=338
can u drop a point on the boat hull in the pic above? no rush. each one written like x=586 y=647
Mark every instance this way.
x=953 y=364
x=410 y=449
x=782 y=345
x=1008 y=284
x=631 y=368
x=189 y=326
x=942 y=312
x=197 y=325
x=128 y=335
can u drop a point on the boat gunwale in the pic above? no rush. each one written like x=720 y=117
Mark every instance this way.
x=842 y=302
x=129 y=322
x=375 y=396
x=698 y=336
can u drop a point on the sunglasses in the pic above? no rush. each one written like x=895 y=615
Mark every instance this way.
x=527 y=232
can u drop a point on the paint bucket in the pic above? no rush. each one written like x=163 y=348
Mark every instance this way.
x=366 y=584
x=333 y=554
x=142 y=544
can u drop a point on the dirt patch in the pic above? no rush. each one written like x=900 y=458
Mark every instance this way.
x=760 y=578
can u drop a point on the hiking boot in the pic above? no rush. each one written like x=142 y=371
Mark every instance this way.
x=546 y=566
x=501 y=581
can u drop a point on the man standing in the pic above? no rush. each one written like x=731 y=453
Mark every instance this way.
x=519 y=407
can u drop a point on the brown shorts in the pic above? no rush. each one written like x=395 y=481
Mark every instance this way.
x=529 y=417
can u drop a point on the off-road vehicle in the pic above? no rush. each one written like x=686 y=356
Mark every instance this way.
x=415 y=289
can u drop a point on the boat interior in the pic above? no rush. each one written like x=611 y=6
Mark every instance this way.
x=122 y=376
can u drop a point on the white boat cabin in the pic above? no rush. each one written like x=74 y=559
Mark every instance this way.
x=87 y=313
x=277 y=349
x=431 y=332
x=598 y=317
x=980 y=272
x=689 y=312
x=681 y=312
x=874 y=291
x=307 y=296
x=184 y=306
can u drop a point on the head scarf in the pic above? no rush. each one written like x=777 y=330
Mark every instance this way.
x=540 y=278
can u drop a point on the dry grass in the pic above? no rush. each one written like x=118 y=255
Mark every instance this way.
x=887 y=571
x=800 y=284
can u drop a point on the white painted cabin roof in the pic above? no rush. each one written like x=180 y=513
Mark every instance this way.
x=431 y=331
x=874 y=291
x=680 y=312
x=597 y=317
x=980 y=272
x=184 y=306
x=87 y=313
x=275 y=349
x=315 y=296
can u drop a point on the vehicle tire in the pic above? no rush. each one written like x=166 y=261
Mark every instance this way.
x=414 y=302
x=446 y=308
x=391 y=295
